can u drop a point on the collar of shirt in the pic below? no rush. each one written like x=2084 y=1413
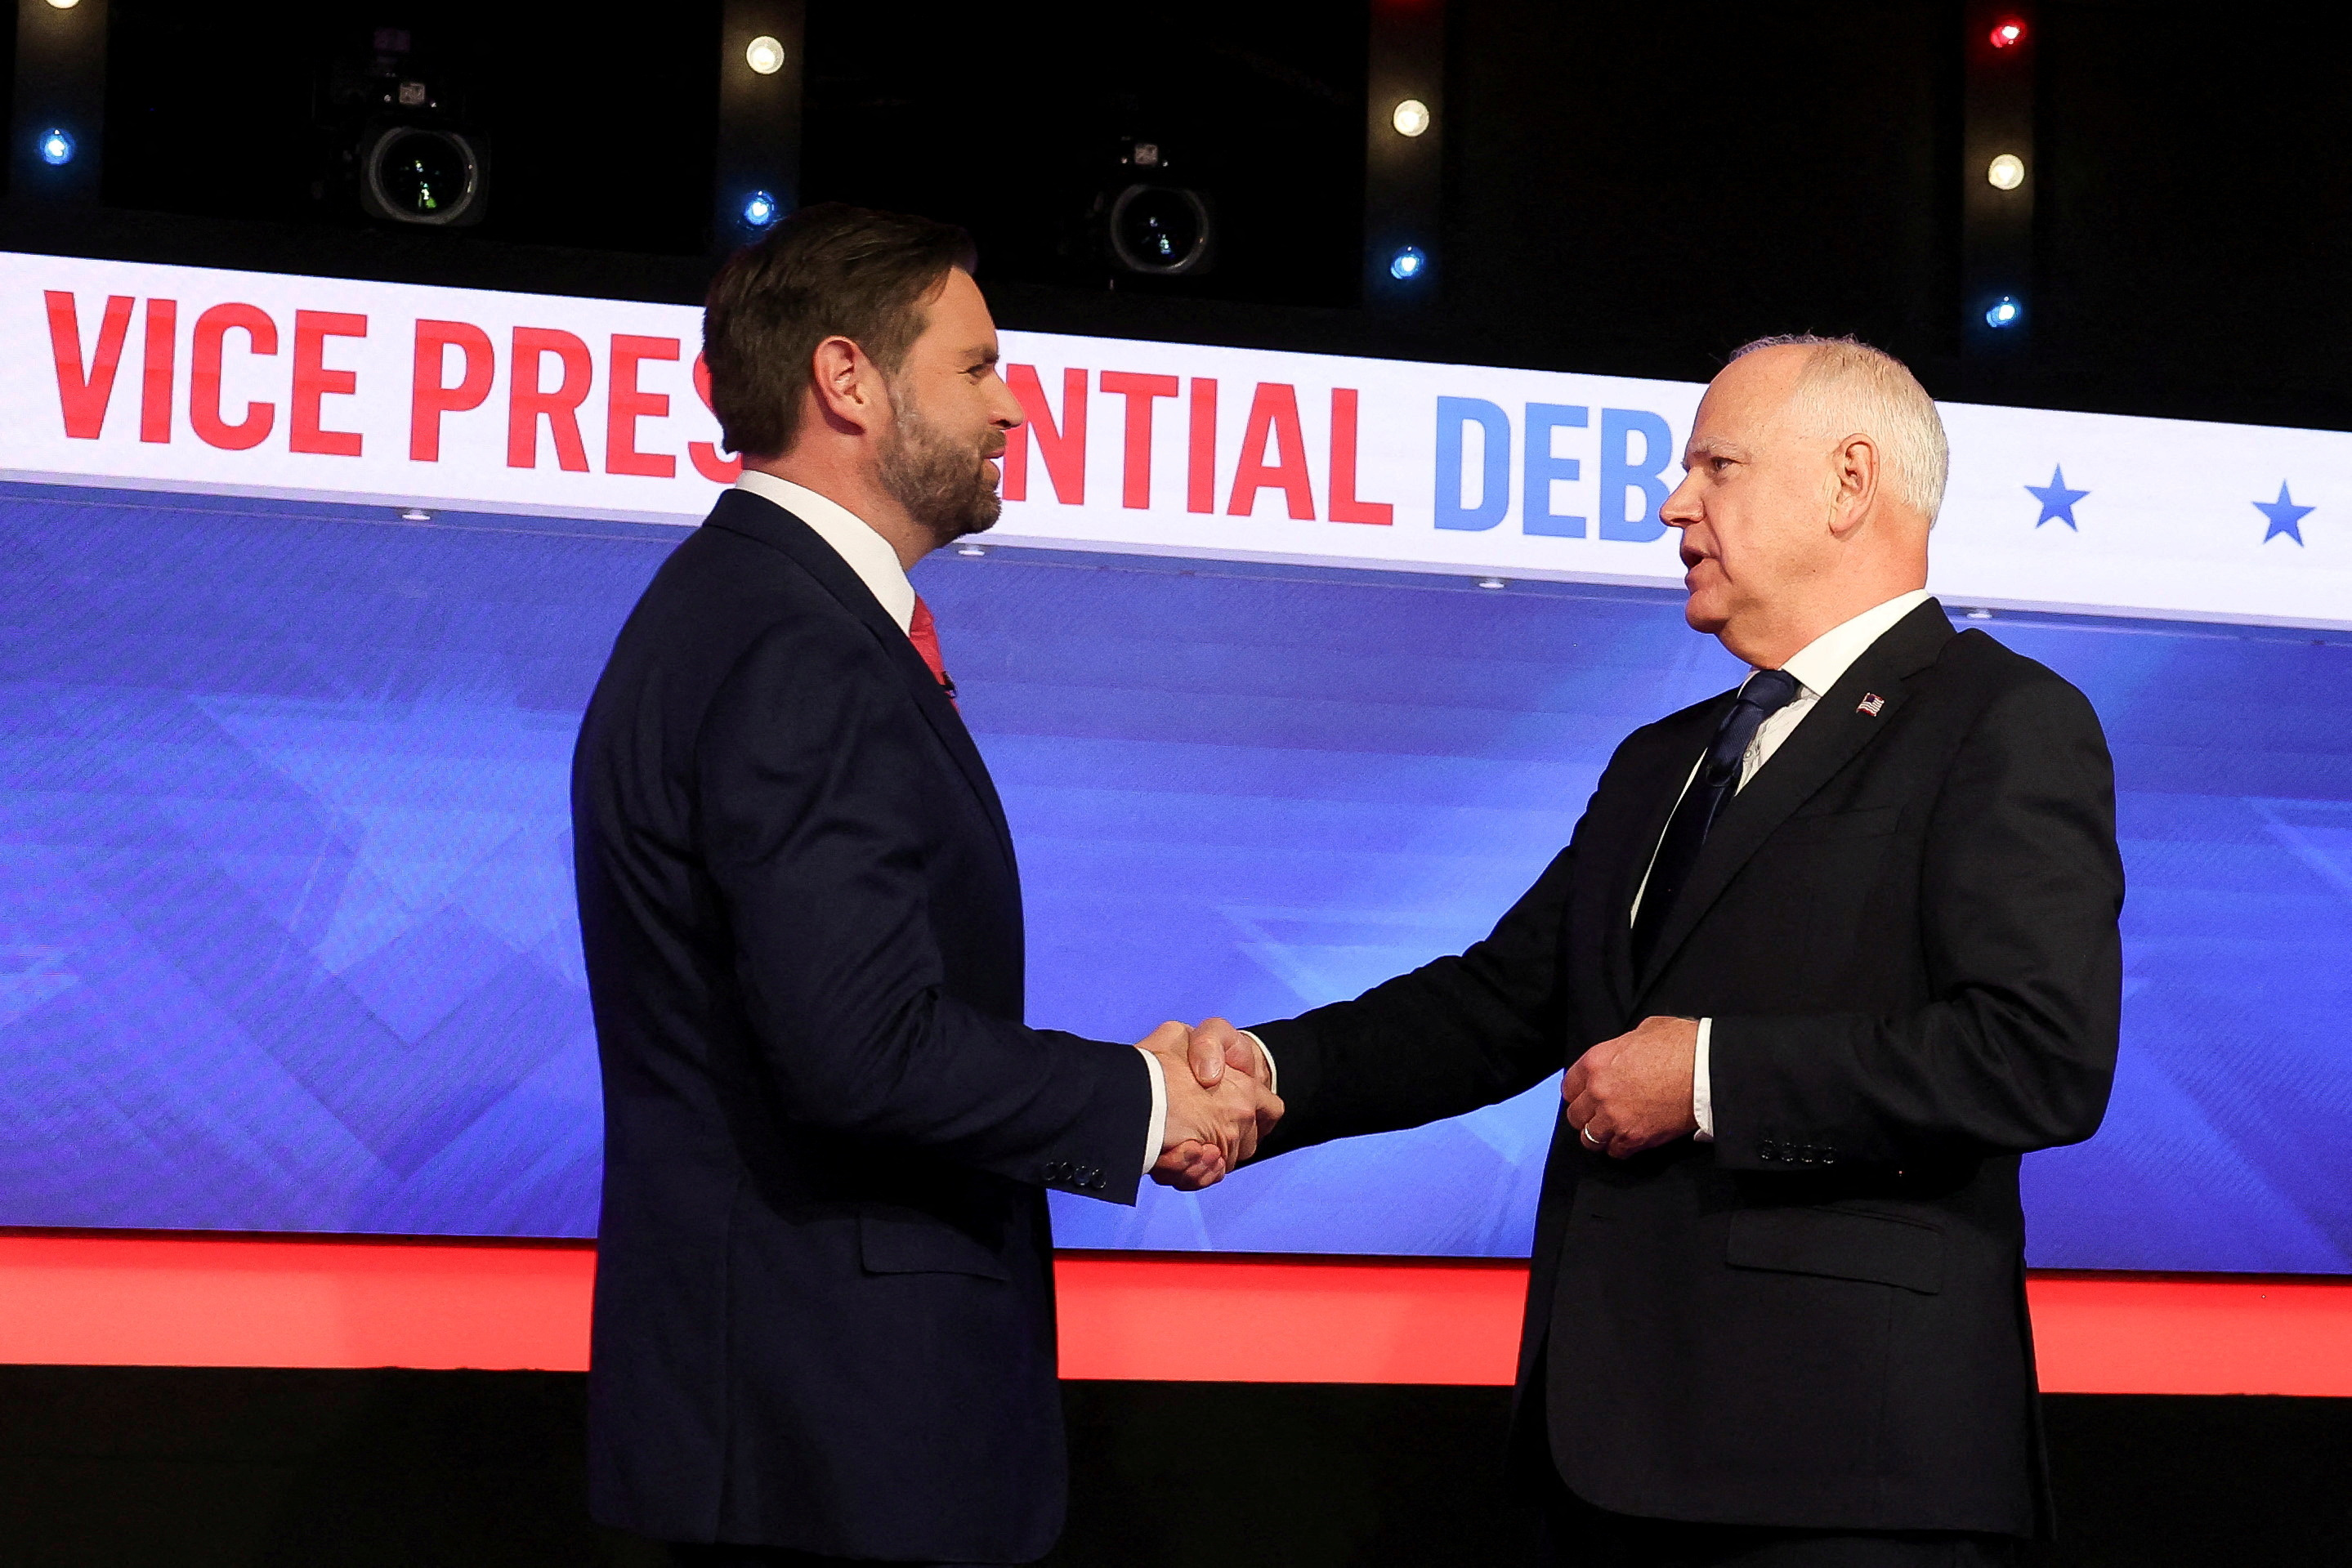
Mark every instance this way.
x=1820 y=665
x=866 y=552
x=1824 y=661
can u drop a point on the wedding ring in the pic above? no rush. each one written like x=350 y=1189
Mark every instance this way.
x=1586 y=1133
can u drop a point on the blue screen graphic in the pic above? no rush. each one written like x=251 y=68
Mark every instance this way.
x=286 y=939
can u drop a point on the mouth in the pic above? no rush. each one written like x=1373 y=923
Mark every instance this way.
x=1703 y=576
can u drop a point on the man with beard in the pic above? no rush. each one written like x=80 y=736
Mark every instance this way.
x=824 y=1318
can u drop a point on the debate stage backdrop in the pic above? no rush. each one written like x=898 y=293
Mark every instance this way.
x=286 y=939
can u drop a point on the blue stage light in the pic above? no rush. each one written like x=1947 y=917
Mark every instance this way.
x=2005 y=312
x=759 y=209
x=57 y=148
x=1407 y=263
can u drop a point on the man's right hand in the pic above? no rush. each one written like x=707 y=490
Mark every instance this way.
x=1218 y=1045
x=1212 y=1126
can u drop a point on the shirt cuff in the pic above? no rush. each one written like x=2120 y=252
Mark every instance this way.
x=1156 y=1132
x=1702 y=1086
x=1273 y=1073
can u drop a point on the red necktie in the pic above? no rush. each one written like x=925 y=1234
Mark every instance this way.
x=924 y=633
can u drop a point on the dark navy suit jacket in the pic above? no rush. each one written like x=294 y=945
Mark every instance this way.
x=823 y=1314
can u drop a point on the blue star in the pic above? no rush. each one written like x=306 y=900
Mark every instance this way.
x=2057 y=501
x=2285 y=517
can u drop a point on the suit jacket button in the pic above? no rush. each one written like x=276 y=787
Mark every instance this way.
x=1098 y=1183
x=1829 y=1156
x=1767 y=1152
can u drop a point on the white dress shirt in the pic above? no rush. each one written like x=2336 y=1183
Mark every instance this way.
x=1818 y=666
x=876 y=562
x=866 y=553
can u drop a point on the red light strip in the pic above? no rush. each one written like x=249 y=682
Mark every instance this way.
x=1188 y=1318
x=207 y=1300
x=145 y=1300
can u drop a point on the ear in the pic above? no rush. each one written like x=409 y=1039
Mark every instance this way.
x=846 y=387
x=1856 y=467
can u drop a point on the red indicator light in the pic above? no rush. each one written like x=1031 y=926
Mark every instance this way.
x=2009 y=34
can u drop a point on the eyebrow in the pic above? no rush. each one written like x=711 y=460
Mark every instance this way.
x=1713 y=447
x=985 y=356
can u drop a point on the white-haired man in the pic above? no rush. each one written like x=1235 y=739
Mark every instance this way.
x=1826 y=954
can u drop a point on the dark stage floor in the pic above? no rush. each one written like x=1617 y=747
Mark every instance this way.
x=188 y=1467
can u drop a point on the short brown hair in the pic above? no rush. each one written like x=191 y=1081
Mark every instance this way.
x=829 y=270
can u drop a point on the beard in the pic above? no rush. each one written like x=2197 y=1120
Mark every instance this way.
x=938 y=479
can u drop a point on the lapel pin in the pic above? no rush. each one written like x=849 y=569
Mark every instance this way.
x=1871 y=704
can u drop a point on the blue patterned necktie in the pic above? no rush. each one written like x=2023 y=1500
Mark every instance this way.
x=1766 y=693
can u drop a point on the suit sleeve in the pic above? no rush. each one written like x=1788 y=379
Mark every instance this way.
x=1450 y=1037
x=812 y=772
x=2023 y=885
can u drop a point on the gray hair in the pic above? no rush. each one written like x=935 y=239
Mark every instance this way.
x=1847 y=382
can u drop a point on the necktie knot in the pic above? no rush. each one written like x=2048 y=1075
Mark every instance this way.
x=1771 y=690
x=1766 y=693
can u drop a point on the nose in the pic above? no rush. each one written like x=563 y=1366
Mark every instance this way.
x=1681 y=509
x=1004 y=410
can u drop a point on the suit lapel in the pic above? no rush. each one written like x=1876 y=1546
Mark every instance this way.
x=756 y=517
x=1829 y=737
x=1660 y=787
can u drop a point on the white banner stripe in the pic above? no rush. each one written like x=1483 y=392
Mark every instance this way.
x=191 y=379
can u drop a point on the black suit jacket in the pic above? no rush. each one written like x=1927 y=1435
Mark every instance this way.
x=823 y=1313
x=1904 y=929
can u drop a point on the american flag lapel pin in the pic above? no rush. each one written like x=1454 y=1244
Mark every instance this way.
x=1871 y=704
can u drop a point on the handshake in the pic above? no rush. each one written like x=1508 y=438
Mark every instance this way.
x=1220 y=1102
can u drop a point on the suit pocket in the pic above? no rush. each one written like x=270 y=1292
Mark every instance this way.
x=892 y=1240
x=1834 y=827
x=1838 y=1244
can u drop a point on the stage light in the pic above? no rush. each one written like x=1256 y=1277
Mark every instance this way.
x=2005 y=312
x=1408 y=264
x=759 y=209
x=422 y=174
x=1411 y=118
x=1492 y=582
x=765 y=55
x=1160 y=231
x=64 y=5
x=2009 y=34
x=2006 y=172
x=57 y=148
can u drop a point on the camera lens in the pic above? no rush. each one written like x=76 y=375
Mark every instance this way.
x=1158 y=229
x=424 y=176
